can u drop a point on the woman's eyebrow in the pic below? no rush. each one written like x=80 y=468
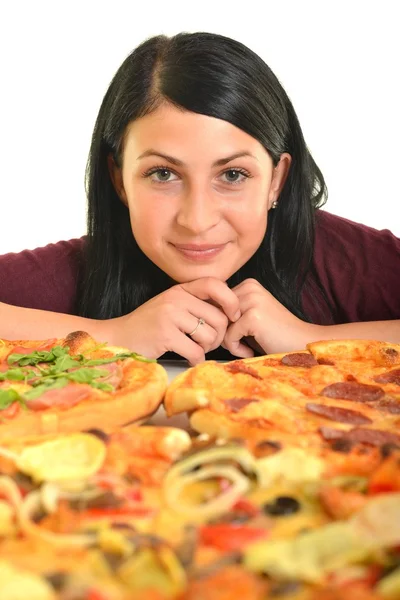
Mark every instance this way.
x=180 y=163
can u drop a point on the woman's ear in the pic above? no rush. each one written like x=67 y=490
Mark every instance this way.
x=116 y=178
x=279 y=176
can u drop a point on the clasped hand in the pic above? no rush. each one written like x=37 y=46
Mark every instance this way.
x=170 y=321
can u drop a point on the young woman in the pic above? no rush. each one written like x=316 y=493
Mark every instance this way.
x=204 y=222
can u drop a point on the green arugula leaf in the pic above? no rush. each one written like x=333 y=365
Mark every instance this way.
x=105 y=387
x=50 y=384
x=102 y=361
x=142 y=358
x=37 y=356
x=7 y=397
x=65 y=362
x=17 y=375
x=86 y=375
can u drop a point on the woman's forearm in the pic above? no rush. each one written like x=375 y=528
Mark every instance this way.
x=29 y=323
x=386 y=331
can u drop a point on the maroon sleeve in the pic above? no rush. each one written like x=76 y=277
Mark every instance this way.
x=359 y=269
x=45 y=278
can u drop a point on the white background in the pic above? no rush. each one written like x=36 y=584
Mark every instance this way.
x=338 y=61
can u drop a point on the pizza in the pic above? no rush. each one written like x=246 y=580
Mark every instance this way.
x=149 y=513
x=336 y=391
x=286 y=486
x=73 y=384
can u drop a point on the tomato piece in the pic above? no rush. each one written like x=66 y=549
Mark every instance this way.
x=366 y=578
x=386 y=478
x=11 y=411
x=230 y=536
x=115 y=512
x=95 y=594
x=135 y=495
x=247 y=507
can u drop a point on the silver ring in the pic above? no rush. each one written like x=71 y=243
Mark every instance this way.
x=200 y=322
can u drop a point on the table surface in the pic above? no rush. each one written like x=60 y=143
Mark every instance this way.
x=173 y=368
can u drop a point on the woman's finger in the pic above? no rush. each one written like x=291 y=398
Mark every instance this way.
x=218 y=292
x=233 y=339
x=187 y=348
x=212 y=316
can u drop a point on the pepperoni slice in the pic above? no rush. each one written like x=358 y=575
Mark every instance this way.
x=389 y=377
x=389 y=405
x=352 y=390
x=375 y=437
x=61 y=398
x=299 y=359
x=238 y=367
x=336 y=413
x=236 y=404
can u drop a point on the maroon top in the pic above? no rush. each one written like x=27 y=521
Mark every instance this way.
x=358 y=266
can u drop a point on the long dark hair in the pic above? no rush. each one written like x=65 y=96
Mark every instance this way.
x=216 y=76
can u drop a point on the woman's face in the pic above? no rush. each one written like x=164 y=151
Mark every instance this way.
x=198 y=191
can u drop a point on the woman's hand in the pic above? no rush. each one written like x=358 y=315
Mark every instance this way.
x=165 y=322
x=273 y=327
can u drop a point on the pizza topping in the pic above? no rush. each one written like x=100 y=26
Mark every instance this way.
x=105 y=499
x=73 y=457
x=341 y=445
x=387 y=449
x=17 y=583
x=309 y=556
x=386 y=478
x=299 y=359
x=57 y=579
x=212 y=464
x=226 y=453
x=375 y=437
x=238 y=367
x=388 y=404
x=284 y=588
x=63 y=398
x=102 y=435
x=389 y=377
x=10 y=411
x=289 y=464
x=229 y=537
x=352 y=390
x=389 y=586
x=282 y=506
x=46 y=345
x=312 y=555
x=336 y=413
x=340 y=503
x=55 y=369
x=8 y=398
x=175 y=486
x=236 y=404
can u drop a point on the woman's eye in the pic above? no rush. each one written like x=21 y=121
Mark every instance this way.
x=162 y=176
x=235 y=176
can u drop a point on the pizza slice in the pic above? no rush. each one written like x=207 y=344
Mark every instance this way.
x=73 y=384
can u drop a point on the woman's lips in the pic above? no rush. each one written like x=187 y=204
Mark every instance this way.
x=199 y=252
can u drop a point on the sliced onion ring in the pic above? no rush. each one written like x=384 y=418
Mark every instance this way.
x=173 y=487
x=24 y=508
